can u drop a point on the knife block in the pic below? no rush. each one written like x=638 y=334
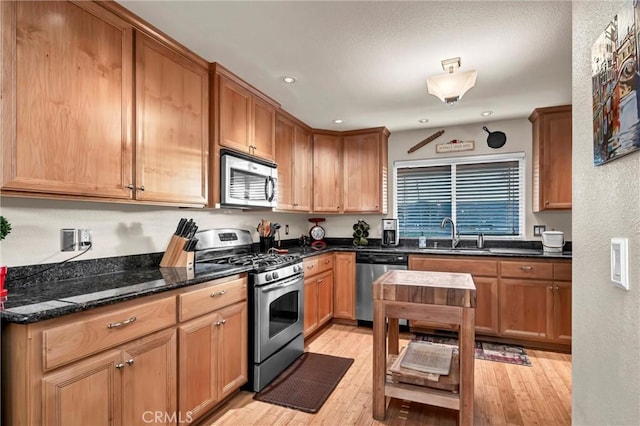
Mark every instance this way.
x=175 y=256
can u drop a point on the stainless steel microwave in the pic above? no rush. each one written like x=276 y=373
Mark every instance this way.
x=246 y=181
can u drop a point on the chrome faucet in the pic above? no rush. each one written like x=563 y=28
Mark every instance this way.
x=454 y=234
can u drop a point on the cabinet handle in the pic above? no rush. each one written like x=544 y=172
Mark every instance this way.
x=120 y=324
x=527 y=268
x=327 y=261
x=141 y=188
x=120 y=366
x=129 y=361
x=219 y=323
x=219 y=293
x=130 y=186
x=310 y=267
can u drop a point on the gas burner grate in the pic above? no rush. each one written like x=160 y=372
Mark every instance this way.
x=259 y=261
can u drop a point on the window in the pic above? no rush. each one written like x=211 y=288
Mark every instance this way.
x=481 y=194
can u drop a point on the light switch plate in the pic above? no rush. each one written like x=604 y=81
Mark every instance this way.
x=538 y=230
x=620 y=263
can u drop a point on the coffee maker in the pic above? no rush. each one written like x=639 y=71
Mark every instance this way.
x=389 y=232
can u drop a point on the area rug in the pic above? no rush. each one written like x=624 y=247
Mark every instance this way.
x=307 y=383
x=511 y=354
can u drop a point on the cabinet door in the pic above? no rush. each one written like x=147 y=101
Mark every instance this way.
x=67 y=99
x=87 y=392
x=263 y=129
x=486 y=305
x=198 y=365
x=327 y=173
x=171 y=125
x=235 y=115
x=310 y=305
x=232 y=349
x=344 y=303
x=303 y=169
x=562 y=311
x=525 y=308
x=149 y=378
x=325 y=296
x=361 y=167
x=284 y=150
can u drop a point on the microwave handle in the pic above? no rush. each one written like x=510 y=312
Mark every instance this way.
x=269 y=194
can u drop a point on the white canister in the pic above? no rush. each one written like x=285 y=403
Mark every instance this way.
x=552 y=241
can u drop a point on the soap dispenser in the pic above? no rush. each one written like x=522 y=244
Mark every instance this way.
x=480 y=241
x=422 y=241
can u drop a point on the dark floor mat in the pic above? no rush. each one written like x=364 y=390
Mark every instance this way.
x=307 y=383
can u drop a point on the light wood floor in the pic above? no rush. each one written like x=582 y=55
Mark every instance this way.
x=505 y=394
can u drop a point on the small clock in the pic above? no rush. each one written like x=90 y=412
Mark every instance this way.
x=317 y=233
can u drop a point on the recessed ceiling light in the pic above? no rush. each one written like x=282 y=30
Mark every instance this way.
x=423 y=120
x=289 y=79
x=337 y=121
x=486 y=113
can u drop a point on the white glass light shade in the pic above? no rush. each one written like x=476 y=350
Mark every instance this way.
x=452 y=86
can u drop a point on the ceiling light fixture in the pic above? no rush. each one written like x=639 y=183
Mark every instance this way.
x=450 y=87
x=337 y=121
x=423 y=120
x=289 y=79
x=486 y=113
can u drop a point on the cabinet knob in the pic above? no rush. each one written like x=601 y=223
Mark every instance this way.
x=141 y=188
x=120 y=366
x=550 y=287
x=557 y=288
x=546 y=203
x=219 y=323
x=129 y=361
x=320 y=281
x=130 y=186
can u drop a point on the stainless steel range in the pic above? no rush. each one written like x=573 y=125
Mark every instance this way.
x=276 y=300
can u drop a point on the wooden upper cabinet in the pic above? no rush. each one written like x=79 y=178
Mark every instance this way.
x=294 y=157
x=365 y=171
x=246 y=118
x=327 y=173
x=551 y=158
x=172 y=117
x=67 y=99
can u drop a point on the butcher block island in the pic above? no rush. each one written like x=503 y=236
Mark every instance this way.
x=442 y=297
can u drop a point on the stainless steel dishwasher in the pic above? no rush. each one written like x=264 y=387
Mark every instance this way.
x=370 y=266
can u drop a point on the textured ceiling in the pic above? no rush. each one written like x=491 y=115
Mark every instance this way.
x=367 y=62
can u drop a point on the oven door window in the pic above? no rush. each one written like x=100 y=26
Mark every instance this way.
x=283 y=312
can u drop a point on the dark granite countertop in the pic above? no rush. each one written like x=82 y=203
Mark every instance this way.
x=84 y=285
x=45 y=300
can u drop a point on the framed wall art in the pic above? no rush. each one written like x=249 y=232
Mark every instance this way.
x=615 y=81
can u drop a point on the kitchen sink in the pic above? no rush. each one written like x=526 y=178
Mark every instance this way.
x=507 y=250
x=460 y=250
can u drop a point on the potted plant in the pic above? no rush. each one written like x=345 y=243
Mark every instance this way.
x=5 y=229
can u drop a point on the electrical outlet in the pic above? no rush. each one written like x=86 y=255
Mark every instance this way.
x=84 y=239
x=67 y=239
x=538 y=230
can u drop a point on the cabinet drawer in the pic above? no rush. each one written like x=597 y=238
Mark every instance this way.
x=93 y=333
x=526 y=269
x=438 y=264
x=213 y=296
x=310 y=266
x=325 y=263
x=562 y=271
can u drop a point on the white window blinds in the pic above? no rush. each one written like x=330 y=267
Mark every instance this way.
x=480 y=195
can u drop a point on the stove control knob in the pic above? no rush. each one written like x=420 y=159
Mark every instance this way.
x=297 y=268
x=268 y=277
x=275 y=275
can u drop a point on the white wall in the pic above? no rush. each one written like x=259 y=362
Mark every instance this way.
x=519 y=134
x=118 y=229
x=606 y=204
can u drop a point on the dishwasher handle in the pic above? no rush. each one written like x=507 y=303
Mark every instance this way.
x=382 y=258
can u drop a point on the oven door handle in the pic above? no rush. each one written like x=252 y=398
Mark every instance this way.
x=279 y=286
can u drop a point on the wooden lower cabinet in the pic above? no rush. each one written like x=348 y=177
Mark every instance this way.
x=212 y=359
x=485 y=277
x=113 y=387
x=174 y=362
x=518 y=298
x=318 y=300
x=344 y=297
